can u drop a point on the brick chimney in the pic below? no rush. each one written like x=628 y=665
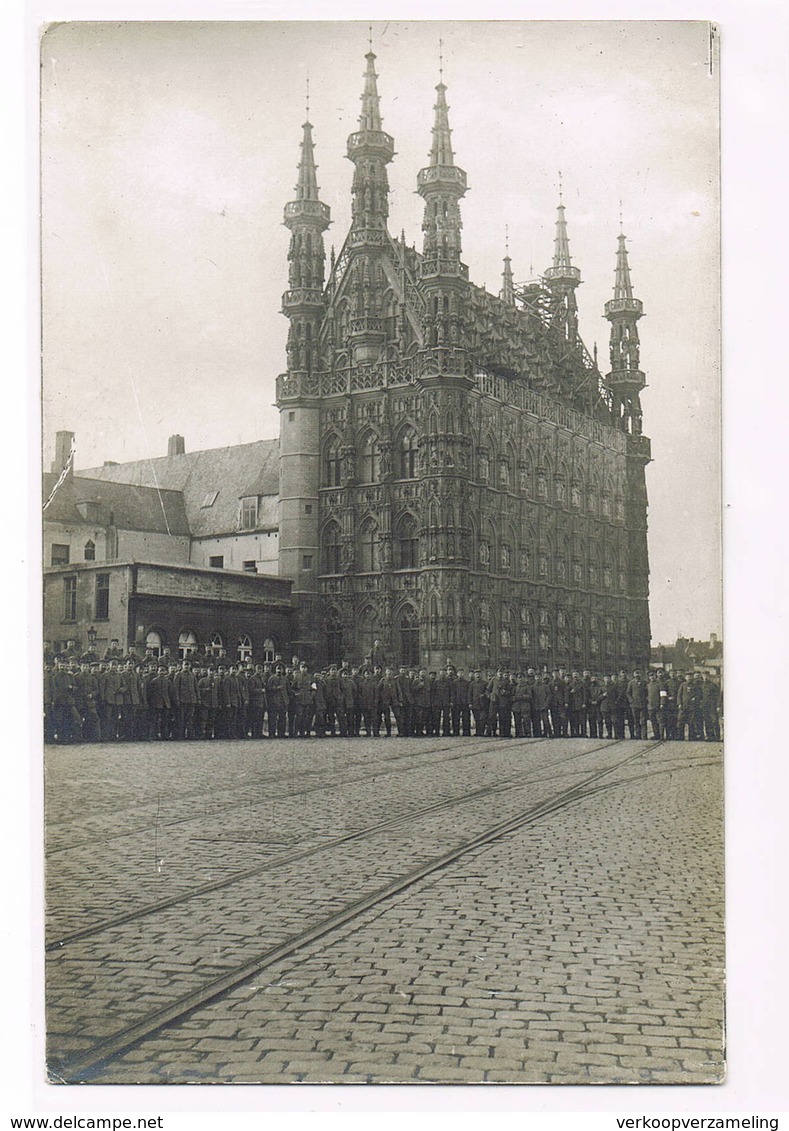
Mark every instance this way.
x=63 y=443
x=176 y=446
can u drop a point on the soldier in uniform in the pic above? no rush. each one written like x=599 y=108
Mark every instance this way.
x=111 y=697
x=277 y=697
x=257 y=701
x=461 y=704
x=637 y=700
x=478 y=700
x=421 y=704
x=301 y=688
x=541 y=699
x=403 y=709
x=388 y=700
x=368 y=702
x=710 y=705
x=132 y=705
x=607 y=703
x=521 y=706
x=334 y=710
x=68 y=721
x=159 y=699
x=208 y=694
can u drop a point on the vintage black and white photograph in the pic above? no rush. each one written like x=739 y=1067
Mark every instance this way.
x=382 y=615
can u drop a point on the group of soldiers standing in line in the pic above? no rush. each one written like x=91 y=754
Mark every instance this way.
x=133 y=698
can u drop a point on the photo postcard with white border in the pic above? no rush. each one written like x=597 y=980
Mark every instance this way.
x=382 y=641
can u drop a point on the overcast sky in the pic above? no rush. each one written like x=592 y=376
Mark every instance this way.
x=170 y=149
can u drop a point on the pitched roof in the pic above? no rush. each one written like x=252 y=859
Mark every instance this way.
x=224 y=474
x=126 y=506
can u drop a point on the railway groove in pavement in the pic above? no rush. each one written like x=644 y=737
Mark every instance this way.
x=86 y=1062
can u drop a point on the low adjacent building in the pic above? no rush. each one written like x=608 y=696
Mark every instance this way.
x=177 y=553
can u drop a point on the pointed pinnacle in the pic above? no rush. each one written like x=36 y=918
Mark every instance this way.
x=441 y=149
x=370 y=117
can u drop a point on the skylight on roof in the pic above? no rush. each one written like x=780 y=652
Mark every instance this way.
x=209 y=500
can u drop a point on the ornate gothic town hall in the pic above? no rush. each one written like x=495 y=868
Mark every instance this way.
x=456 y=477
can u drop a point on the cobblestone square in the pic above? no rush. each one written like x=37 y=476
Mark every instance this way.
x=406 y=910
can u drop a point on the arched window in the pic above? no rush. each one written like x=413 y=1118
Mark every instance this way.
x=408 y=543
x=506 y=627
x=334 y=637
x=187 y=643
x=332 y=466
x=487 y=625
x=244 y=648
x=450 y=620
x=368 y=630
x=332 y=549
x=216 y=642
x=90 y=551
x=269 y=650
x=544 y=633
x=561 y=631
x=153 y=642
x=591 y=495
x=409 y=637
x=606 y=502
x=369 y=547
x=370 y=459
x=407 y=455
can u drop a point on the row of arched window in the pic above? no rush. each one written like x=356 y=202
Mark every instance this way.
x=527 y=633
x=575 y=491
x=239 y=649
x=593 y=566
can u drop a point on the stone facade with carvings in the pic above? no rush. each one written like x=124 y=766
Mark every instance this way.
x=457 y=477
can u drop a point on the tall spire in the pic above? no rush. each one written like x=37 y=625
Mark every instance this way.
x=561 y=244
x=562 y=279
x=371 y=150
x=441 y=149
x=507 y=292
x=307 y=217
x=623 y=312
x=307 y=184
x=562 y=264
x=370 y=117
x=623 y=288
x=442 y=184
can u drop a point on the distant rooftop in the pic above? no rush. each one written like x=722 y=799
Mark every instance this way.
x=211 y=481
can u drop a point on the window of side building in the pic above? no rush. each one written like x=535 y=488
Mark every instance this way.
x=249 y=512
x=60 y=554
x=69 y=598
x=102 y=596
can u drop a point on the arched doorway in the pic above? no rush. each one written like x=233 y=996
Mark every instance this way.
x=187 y=643
x=409 y=638
x=153 y=643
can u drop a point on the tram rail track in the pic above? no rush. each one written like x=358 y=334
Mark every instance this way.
x=515 y=782
x=81 y=1067
x=289 y=774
